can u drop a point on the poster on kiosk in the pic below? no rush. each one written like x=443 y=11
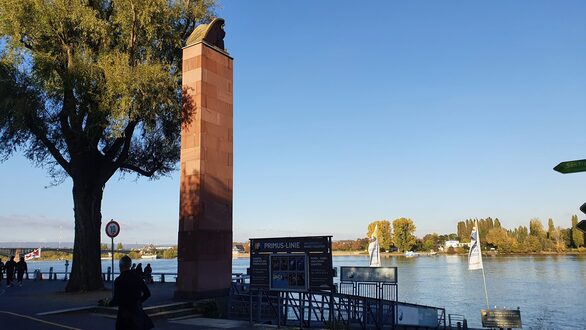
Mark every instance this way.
x=291 y=263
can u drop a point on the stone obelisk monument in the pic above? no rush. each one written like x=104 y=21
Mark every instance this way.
x=205 y=216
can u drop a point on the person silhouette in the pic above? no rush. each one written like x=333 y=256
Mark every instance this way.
x=1 y=271
x=138 y=269
x=21 y=268
x=130 y=292
x=10 y=266
x=147 y=275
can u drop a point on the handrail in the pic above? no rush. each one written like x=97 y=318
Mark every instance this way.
x=323 y=309
x=38 y=275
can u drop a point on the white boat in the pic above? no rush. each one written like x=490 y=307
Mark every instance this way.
x=149 y=256
x=411 y=254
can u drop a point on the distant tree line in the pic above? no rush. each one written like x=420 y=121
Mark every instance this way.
x=535 y=238
x=399 y=235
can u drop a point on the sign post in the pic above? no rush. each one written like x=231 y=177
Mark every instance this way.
x=582 y=226
x=571 y=166
x=112 y=230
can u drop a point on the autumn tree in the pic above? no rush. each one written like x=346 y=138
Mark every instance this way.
x=577 y=235
x=403 y=230
x=500 y=239
x=360 y=244
x=557 y=236
x=89 y=89
x=532 y=244
x=536 y=228
x=430 y=242
x=384 y=233
x=520 y=234
x=550 y=229
x=462 y=231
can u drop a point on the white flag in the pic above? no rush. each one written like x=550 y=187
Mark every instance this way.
x=374 y=249
x=474 y=255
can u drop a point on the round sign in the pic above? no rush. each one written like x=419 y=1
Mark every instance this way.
x=112 y=229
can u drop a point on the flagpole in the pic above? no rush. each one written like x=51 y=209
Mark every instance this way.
x=483 y=275
x=485 y=291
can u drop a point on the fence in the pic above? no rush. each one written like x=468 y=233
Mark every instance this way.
x=328 y=309
x=107 y=276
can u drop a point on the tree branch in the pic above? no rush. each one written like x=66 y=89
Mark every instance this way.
x=125 y=140
x=51 y=147
x=139 y=170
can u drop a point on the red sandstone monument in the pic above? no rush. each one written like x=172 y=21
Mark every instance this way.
x=205 y=216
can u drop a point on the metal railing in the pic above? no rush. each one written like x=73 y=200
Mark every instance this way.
x=457 y=321
x=327 y=309
x=107 y=276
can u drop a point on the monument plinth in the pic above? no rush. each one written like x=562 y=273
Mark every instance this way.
x=205 y=216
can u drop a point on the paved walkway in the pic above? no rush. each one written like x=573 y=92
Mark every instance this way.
x=20 y=306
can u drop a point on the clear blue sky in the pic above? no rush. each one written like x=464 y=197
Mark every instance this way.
x=348 y=112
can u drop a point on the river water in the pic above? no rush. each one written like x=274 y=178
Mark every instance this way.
x=550 y=290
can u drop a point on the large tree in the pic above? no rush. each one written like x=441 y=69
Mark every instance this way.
x=92 y=88
x=384 y=233
x=403 y=234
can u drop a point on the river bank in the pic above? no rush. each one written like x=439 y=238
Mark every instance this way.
x=574 y=252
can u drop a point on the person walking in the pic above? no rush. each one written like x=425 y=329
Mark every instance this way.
x=130 y=292
x=10 y=266
x=21 y=268
x=148 y=274
x=1 y=271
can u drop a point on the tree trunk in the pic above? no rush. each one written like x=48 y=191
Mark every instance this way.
x=86 y=269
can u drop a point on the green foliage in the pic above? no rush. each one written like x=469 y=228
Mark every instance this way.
x=359 y=244
x=501 y=240
x=577 y=235
x=536 y=228
x=93 y=88
x=550 y=228
x=532 y=239
x=170 y=253
x=532 y=244
x=559 y=241
x=430 y=242
x=94 y=80
x=55 y=255
x=403 y=230
x=104 y=247
x=384 y=233
x=119 y=246
x=520 y=234
x=464 y=228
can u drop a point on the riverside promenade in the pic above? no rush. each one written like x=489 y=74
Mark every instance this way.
x=45 y=305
